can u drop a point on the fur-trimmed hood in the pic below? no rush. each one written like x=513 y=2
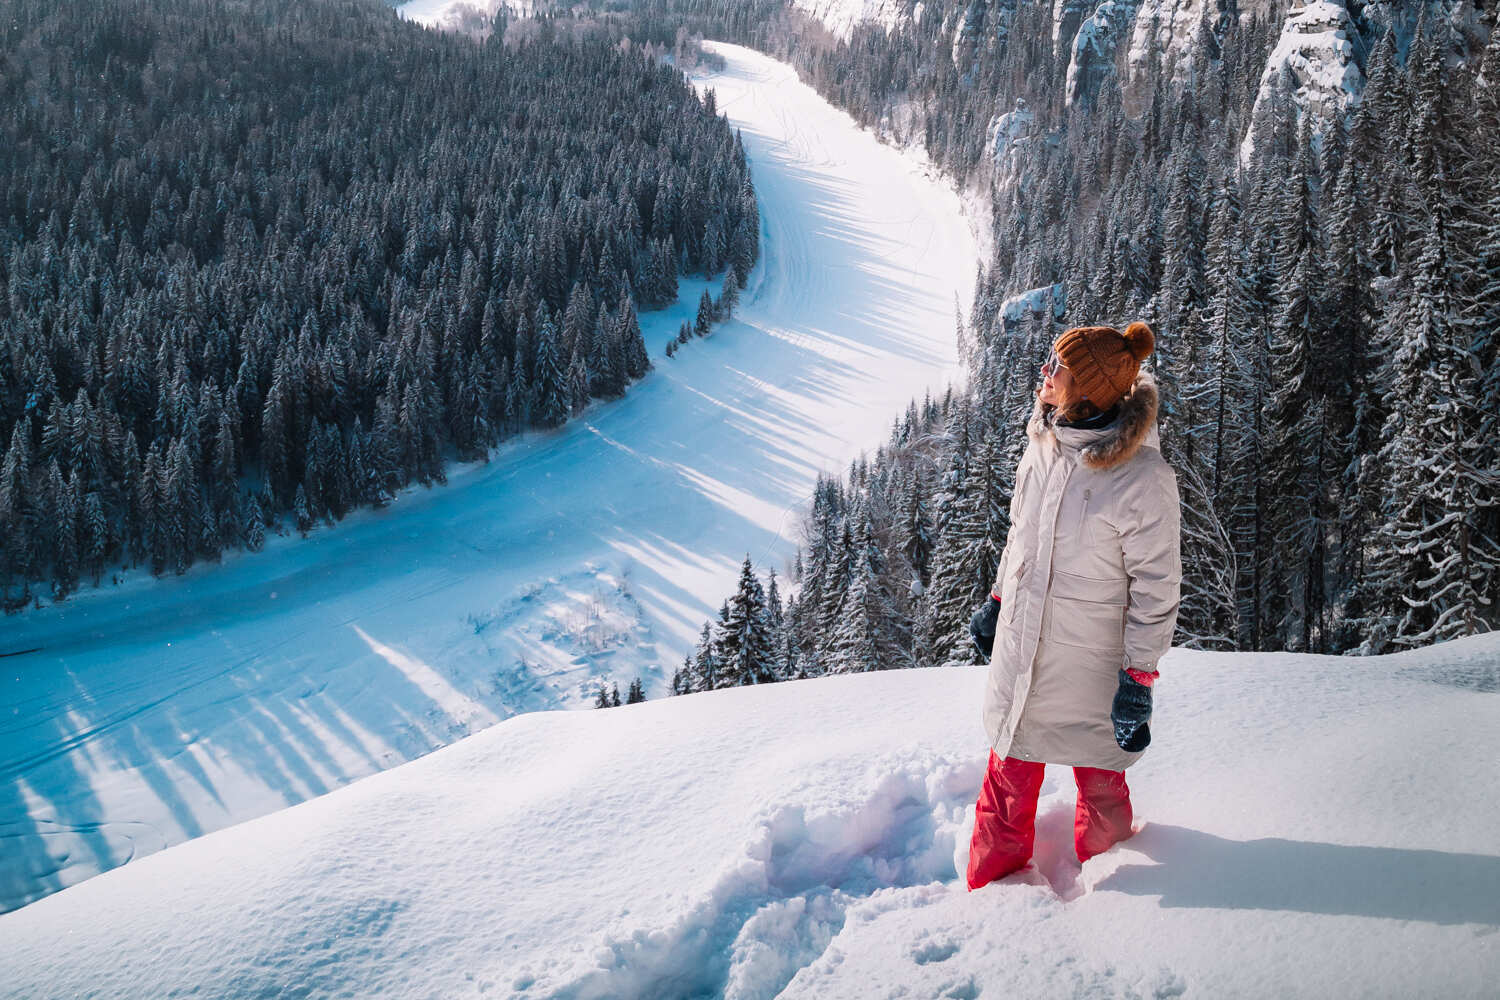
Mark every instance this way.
x=1105 y=447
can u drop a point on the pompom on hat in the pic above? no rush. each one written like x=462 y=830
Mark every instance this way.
x=1103 y=361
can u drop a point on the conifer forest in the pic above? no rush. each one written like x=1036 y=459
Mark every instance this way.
x=266 y=261
x=265 y=287
x=1325 y=291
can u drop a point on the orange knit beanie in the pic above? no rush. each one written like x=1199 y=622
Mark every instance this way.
x=1103 y=361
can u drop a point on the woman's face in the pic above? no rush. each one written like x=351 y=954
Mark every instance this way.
x=1057 y=386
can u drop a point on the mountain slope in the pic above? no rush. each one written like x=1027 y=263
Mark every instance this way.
x=1313 y=828
x=153 y=712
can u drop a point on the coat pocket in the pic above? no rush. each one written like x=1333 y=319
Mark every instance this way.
x=1085 y=526
x=1008 y=588
x=1088 y=612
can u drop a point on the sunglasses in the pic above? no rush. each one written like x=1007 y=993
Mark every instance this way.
x=1051 y=365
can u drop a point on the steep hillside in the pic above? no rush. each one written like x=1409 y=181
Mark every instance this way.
x=146 y=714
x=1301 y=200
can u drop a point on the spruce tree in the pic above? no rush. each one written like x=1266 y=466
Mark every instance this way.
x=550 y=388
x=1295 y=415
x=866 y=635
x=705 y=318
x=746 y=650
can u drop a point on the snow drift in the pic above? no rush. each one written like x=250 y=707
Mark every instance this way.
x=1314 y=826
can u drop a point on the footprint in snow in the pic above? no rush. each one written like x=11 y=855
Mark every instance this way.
x=934 y=951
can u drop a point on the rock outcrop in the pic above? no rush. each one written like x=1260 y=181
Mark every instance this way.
x=1094 y=47
x=1316 y=63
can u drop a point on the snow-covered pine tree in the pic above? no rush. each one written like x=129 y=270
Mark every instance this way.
x=950 y=598
x=865 y=636
x=1183 y=296
x=550 y=387
x=62 y=506
x=1300 y=350
x=789 y=657
x=637 y=361
x=1429 y=578
x=822 y=528
x=705 y=318
x=577 y=384
x=666 y=262
x=302 y=512
x=836 y=577
x=1227 y=392
x=729 y=294
x=95 y=540
x=914 y=533
x=704 y=673
x=1354 y=415
x=746 y=651
x=18 y=514
x=1482 y=309
x=775 y=613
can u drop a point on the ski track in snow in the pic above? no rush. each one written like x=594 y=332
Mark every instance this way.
x=155 y=711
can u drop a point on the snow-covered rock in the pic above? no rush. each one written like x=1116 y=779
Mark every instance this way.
x=842 y=16
x=1165 y=30
x=1009 y=140
x=1067 y=15
x=983 y=27
x=1313 y=826
x=1011 y=130
x=1316 y=60
x=1035 y=303
x=1094 y=46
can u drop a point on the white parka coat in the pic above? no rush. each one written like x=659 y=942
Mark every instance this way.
x=1089 y=583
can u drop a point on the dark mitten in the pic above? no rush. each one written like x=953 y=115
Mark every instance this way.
x=982 y=626
x=1131 y=713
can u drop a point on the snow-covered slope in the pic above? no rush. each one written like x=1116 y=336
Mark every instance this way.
x=1313 y=827
x=159 y=710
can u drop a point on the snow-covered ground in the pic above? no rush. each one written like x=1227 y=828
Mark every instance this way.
x=159 y=710
x=1313 y=827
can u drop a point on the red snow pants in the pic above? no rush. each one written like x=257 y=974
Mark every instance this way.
x=1005 y=817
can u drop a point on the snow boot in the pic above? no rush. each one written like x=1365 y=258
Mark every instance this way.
x=1103 y=816
x=1004 y=820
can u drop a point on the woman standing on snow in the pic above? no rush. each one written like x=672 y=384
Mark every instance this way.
x=1085 y=600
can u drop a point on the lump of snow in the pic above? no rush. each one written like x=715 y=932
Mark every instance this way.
x=807 y=839
x=1036 y=302
x=1314 y=58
